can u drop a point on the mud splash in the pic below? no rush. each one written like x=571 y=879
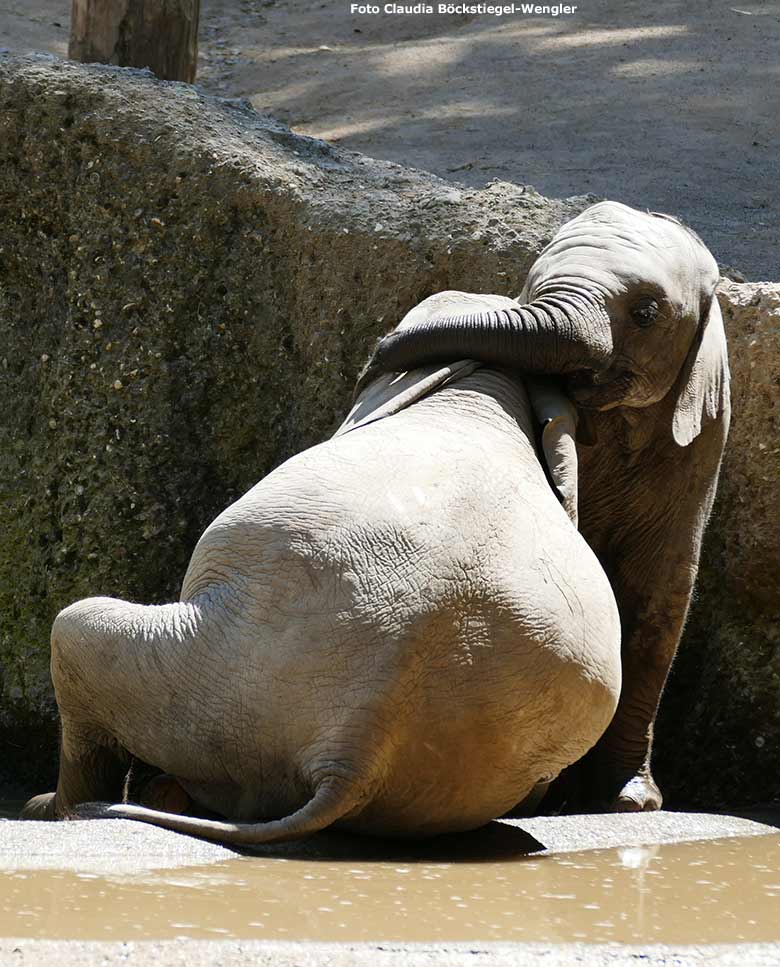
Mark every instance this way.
x=704 y=892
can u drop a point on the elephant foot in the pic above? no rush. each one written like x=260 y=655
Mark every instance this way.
x=595 y=786
x=166 y=795
x=614 y=790
x=40 y=807
x=639 y=795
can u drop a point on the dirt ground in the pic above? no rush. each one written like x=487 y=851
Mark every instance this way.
x=669 y=105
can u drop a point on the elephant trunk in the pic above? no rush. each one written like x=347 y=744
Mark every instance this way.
x=556 y=334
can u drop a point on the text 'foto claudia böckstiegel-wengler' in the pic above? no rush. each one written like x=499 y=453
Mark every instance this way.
x=494 y=9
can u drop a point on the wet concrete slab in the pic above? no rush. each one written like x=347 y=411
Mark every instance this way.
x=105 y=846
x=115 y=845
x=708 y=891
x=641 y=889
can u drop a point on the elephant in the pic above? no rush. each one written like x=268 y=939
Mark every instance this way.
x=620 y=306
x=399 y=631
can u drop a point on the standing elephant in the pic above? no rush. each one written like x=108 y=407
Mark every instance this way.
x=399 y=630
x=621 y=304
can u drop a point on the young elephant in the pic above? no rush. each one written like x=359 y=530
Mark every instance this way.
x=399 y=631
x=622 y=303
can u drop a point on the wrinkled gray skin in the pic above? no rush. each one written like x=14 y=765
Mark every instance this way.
x=399 y=631
x=622 y=304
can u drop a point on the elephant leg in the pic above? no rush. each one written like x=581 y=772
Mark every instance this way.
x=615 y=776
x=93 y=767
x=607 y=779
x=648 y=539
x=40 y=807
x=147 y=786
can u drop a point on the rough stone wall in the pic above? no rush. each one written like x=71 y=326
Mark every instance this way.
x=186 y=293
x=719 y=732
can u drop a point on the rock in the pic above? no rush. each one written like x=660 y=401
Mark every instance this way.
x=240 y=274
x=719 y=731
x=732 y=274
x=749 y=503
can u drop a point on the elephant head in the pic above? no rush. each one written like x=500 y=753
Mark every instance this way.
x=621 y=303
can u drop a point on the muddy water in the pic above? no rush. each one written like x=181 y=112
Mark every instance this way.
x=716 y=891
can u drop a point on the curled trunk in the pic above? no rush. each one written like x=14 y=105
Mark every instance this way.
x=556 y=334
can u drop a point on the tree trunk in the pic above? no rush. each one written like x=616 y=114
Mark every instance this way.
x=159 y=34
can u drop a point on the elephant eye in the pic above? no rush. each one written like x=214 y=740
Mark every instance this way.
x=645 y=312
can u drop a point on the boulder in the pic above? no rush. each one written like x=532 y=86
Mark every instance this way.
x=187 y=290
x=718 y=740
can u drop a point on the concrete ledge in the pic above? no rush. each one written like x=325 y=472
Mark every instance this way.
x=119 y=846
x=229 y=953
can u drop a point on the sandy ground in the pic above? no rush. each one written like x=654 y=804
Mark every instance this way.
x=667 y=105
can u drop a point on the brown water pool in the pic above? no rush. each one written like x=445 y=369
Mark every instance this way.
x=713 y=891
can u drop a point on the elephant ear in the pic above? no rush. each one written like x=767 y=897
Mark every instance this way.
x=704 y=395
x=389 y=393
x=558 y=419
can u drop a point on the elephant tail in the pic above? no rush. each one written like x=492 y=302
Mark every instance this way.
x=330 y=802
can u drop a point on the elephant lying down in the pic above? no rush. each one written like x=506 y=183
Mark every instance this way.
x=399 y=630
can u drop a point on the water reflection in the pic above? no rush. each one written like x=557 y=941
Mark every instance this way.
x=704 y=892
